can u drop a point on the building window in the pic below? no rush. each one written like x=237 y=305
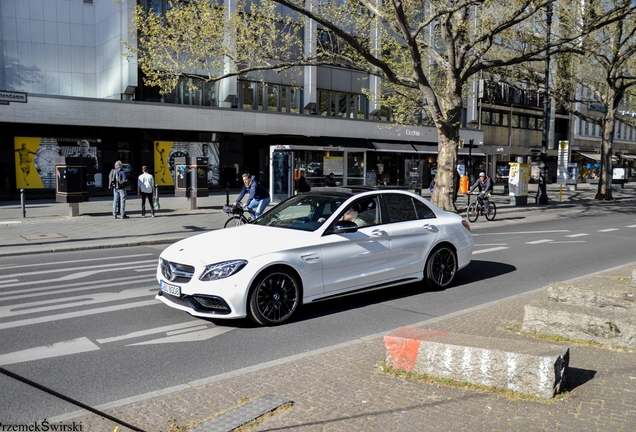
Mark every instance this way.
x=515 y=121
x=485 y=117
x=505 y=119
x=532 y=123
x=496 y=119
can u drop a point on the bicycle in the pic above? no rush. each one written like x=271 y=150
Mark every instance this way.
x=236 y=215
x=477 y=207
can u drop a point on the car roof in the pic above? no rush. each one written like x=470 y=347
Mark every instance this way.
x=350 y=190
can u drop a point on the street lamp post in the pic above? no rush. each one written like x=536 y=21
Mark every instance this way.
x=543 y=161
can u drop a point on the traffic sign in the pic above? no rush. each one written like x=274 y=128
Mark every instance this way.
x=6 y=96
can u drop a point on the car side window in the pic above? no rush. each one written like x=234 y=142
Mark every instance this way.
x=369 y=212
x=400 y=208
x=423 y=211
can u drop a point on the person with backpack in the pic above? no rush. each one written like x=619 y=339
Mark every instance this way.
x=484 y=183
x=118 y=182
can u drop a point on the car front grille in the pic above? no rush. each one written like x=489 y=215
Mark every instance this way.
x=175 y=272
x=199 y=303
x=214 y=303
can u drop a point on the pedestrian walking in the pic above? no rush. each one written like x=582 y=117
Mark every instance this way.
x=146 y=190
x=118 y=182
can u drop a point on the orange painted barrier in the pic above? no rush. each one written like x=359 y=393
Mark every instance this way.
x=463 y=184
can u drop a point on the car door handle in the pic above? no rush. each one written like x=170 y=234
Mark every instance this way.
x=432 y=228
x=379 y=233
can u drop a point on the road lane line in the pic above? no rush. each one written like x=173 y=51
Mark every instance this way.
x=68 y=302
x=85 y=285
x=539 y=241
x=196 y=336
x=477 y=252
x=577 y=235
x=608 y=230
x=141 y=333
x=57 y=263
x=569 y=241
x=522 y=232
x=59 y=349
x=630 y=226
x=124 y=266
x=77 y=314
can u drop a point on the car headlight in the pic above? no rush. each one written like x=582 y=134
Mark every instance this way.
x=222 y=270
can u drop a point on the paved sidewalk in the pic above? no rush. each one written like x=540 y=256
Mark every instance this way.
x=342 y=388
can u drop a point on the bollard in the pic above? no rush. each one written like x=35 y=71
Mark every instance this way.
x=22 y=203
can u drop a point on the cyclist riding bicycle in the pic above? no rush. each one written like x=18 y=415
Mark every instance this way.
x=485 y=188
x=258 y=197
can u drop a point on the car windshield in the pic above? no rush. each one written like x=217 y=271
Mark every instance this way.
x=306 y=212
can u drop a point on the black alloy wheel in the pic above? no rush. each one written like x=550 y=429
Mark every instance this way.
x=441 y=267
x=274 y=297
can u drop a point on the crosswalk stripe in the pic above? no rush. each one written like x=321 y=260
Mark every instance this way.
x=477 y=252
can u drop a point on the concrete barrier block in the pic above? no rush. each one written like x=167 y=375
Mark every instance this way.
x=614 y=327
x=601 y=293
x=528 y=367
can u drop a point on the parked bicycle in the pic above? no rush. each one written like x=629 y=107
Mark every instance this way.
x=489 y=210
x=237 y=215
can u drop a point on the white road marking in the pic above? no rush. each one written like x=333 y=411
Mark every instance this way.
x=176 y=332
x=539 y=241
x=630 y=226
x=522 y=232
x=491 y=244
x=608 y=230
x=477 y=252
x=569 y=241
x=57 y=263
x=120 y=266
x=89 y=299
x=188 y=337
x=37 y=292
x=74 y=346
x=186 y=325
x=577 y=235
x=77 y=314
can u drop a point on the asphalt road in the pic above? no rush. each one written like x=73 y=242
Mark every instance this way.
x=86 y=324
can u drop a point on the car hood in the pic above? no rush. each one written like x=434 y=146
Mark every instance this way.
x=242 y=242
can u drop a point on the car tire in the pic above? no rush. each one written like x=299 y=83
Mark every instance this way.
x=441 y=267
x=274 y=297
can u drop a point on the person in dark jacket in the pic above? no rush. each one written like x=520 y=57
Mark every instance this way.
x=258 y=197
x=301 y=184
x=484 y=183
x=330 y=181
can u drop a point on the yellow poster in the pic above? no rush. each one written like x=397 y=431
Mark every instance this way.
x=163 y=174
x=26 y=174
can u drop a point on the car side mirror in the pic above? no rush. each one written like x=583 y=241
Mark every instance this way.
x=342 y=227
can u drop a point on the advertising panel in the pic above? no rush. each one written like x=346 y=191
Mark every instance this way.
x=167 y=151
x=35 y=160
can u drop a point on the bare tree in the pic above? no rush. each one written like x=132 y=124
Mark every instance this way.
x=602 y=76
x=424 y=52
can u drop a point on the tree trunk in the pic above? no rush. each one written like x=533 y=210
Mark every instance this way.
x=446 y=166
x=604 y=190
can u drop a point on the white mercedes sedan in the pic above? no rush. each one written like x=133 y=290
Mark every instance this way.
x=314 y=246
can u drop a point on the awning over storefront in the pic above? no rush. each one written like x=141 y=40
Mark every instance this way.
x=351 y=144
x=594 y=156
x=474 y=152
x=427 y=149
x=392 y=147
x=629 y=157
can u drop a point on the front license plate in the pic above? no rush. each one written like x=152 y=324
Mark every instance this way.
x=170 y=289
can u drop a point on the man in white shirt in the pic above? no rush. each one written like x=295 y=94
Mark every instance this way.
x=146 y=190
